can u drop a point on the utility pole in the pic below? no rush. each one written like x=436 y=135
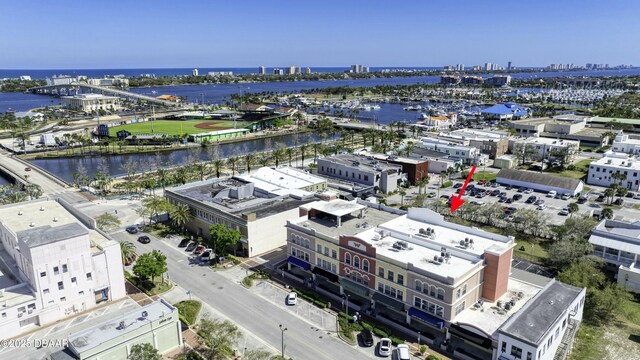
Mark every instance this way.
x=282 y=330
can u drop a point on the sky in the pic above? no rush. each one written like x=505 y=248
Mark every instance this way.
x=66 y=34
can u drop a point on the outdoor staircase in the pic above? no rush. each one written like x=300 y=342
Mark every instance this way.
x=566 y=344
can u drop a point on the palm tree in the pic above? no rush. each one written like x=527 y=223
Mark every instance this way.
x=249 y=159
x=290 y=151
x=278 y=154
x=264 y=160
x=232 y=162
x=128 y=252
x=303 y=151
x=202 y=169
x=180 y=215
x=402 y=193
x=163 y=176
x=218 y=164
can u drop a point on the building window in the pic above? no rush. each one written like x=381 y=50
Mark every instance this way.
x=381 y=272
x=365 y=265
x=319 y=248
x=460 y=308
x=400 y=279
x=464 y=289
x=356 y=262
x=529 y=355
x=504 y=346
x=440 y=294
x=516 y=351
x=347 y=258
x=326 y=251
x=334 y=254
x=89 y=277
x=43 y=274
x=63 y=299
x=458 y=292
x=45 y=291
x=60 y=285
x=432 y=291
x=418 y=285
x=390 y=275
x=73 y=281
x=56 y=270
x=64 y=268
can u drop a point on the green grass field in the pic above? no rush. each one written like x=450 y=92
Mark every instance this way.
x=172 y=127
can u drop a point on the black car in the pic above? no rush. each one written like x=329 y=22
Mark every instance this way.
x=618 y=201
x=191 y=247
x=132 y=229
x=495 y=192
x=367 y=337
x=457 y=186
x=184 y=243
x=517 y=197
x=144 y=239
x=531 y=199
x=630 y=195
x=509 y=187
x=522 y=189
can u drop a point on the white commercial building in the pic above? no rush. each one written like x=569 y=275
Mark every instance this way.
x=91 y=102
x=63 y=80
x=548 y=148
x=617 y=243
x=157 y=324
x=362 y=170
x=601 y=170
x=258 y=210
x=53 y=266
x=539 y=182
x=284 y=178
x=624 y=144
x=468 y=154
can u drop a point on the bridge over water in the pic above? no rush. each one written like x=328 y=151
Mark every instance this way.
x=75 y=88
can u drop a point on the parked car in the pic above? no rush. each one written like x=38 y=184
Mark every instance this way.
x=566 y=196
x=521 y=189
x=637 y=196
x=184 y=243
x=495 y=192
x=517 y=197
x=539 y=202
x=132 y=229
x=367 y=337
x=431 y=195
x=144 y=239
x=542 y=206
x=618 y=201
x=564 y=212
x=600 y=197
x=502 y=199
x=206 y=255
x=552 y=193
x=528 y=191
x=630 y=195
x=475 y=202
x=292 y=298
x=509 y=187
x=402 y=352
x=509 y=200
x=384 y=347
x=531 y=199
x=191 y=247
x=199 y=250
x=27 y=169
x=457 y=186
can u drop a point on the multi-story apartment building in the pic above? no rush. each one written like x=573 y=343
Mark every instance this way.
x=363 y=170
x=618 y=244
x=52 y=265
x=601 y=171
x=468 y=154
x=547 y=149
x=625 y=144
x=416 y=169
x=492 y=143
x=258 y=210
x=498 y=80
x=414 y=269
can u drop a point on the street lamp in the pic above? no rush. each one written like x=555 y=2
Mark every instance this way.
x=282 y=329
x=418 y=339
x=347 y=309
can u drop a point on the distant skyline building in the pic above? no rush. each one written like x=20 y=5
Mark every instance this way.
x=278 y=71
x=357 y=69
x=262 y=70
x=194 y=72
x=509 y=65
x=307 y=70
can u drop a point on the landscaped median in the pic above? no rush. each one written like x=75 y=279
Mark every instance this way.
x=149 y=287
x=188 y=311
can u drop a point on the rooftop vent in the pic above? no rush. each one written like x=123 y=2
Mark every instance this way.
x=32 y=224
x=19 y=213
x=145 y=314
x=55 y=219
x=41 y=208
x=121 y=326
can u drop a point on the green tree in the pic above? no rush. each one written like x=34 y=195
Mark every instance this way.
x=218 y=164
x=220 y=337
x=223 y=237
x=249 y=159
x=607 y=213
x=402 y=192
x=258 y=354
x=107 y=222
x=573 y=208
x=128 y=252
x=150 y=265
x=144 y=351
x=563 y=253
x=180 y=215
x=232 y=162
x=155 y=205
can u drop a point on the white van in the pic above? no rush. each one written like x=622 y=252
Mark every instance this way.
x=552 y=193
x=402 y=352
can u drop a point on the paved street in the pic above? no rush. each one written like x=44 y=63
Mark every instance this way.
x=36 y=176
x=303 y=340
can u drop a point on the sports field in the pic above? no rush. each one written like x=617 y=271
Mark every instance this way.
x=174 y=127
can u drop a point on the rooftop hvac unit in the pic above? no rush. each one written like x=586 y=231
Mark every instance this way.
x=508 y=306
x=463 y=243
x=145 y=314
x=19 y=212
x=55 y=219
x=470 y=241
x=41 y=208
x=440 y=259
x=442 y=253
x=397 y=246
x=121 y=326
x=404 y=244
x=376 y=237
x=499 y=303
x=32 y=224
x=422 y=231
x=435 y=257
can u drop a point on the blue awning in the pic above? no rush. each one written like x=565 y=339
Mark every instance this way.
x=417 y=313
x=299 y=263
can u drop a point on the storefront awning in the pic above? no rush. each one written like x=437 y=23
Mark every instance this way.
x=426 y=317
x=381 y=298
x=470 y=336
x=299 y=263
x=324 y=273
x=355 y=288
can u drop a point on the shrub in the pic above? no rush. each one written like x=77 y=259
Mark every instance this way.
x=447 y=184
x=233 y=259
x=247 y=281
x=395 y=340
x=432 y=357
x=423 y=349
x=380 y=333
x=188 y=311
x=571 y=167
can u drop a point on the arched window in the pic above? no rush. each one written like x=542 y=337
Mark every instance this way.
x=432 y=291
x=356 y=276
x=356 y=261
x=440 y=294
x=419 y=285
x=347 y=271
x=347 y=258
x=365 y=280
x=365 y=265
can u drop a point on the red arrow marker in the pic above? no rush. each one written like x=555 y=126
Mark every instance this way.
x=456 y=202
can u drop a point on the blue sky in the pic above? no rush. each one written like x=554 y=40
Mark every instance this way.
x=246 y=33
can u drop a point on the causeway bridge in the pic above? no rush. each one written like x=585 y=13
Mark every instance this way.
x=77 y=88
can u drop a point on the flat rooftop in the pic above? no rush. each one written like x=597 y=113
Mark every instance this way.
x=621 y=160
x=489 y=317
x=395 y=158
x=539 y=314
x=562 y=119
x=219 y=194
x=109 y=330
x=350 y=224
x=30 y=220
x=273 y=179
x=549 y=141
x=361 y=162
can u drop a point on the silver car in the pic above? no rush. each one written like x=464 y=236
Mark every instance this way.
x=384 y=347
